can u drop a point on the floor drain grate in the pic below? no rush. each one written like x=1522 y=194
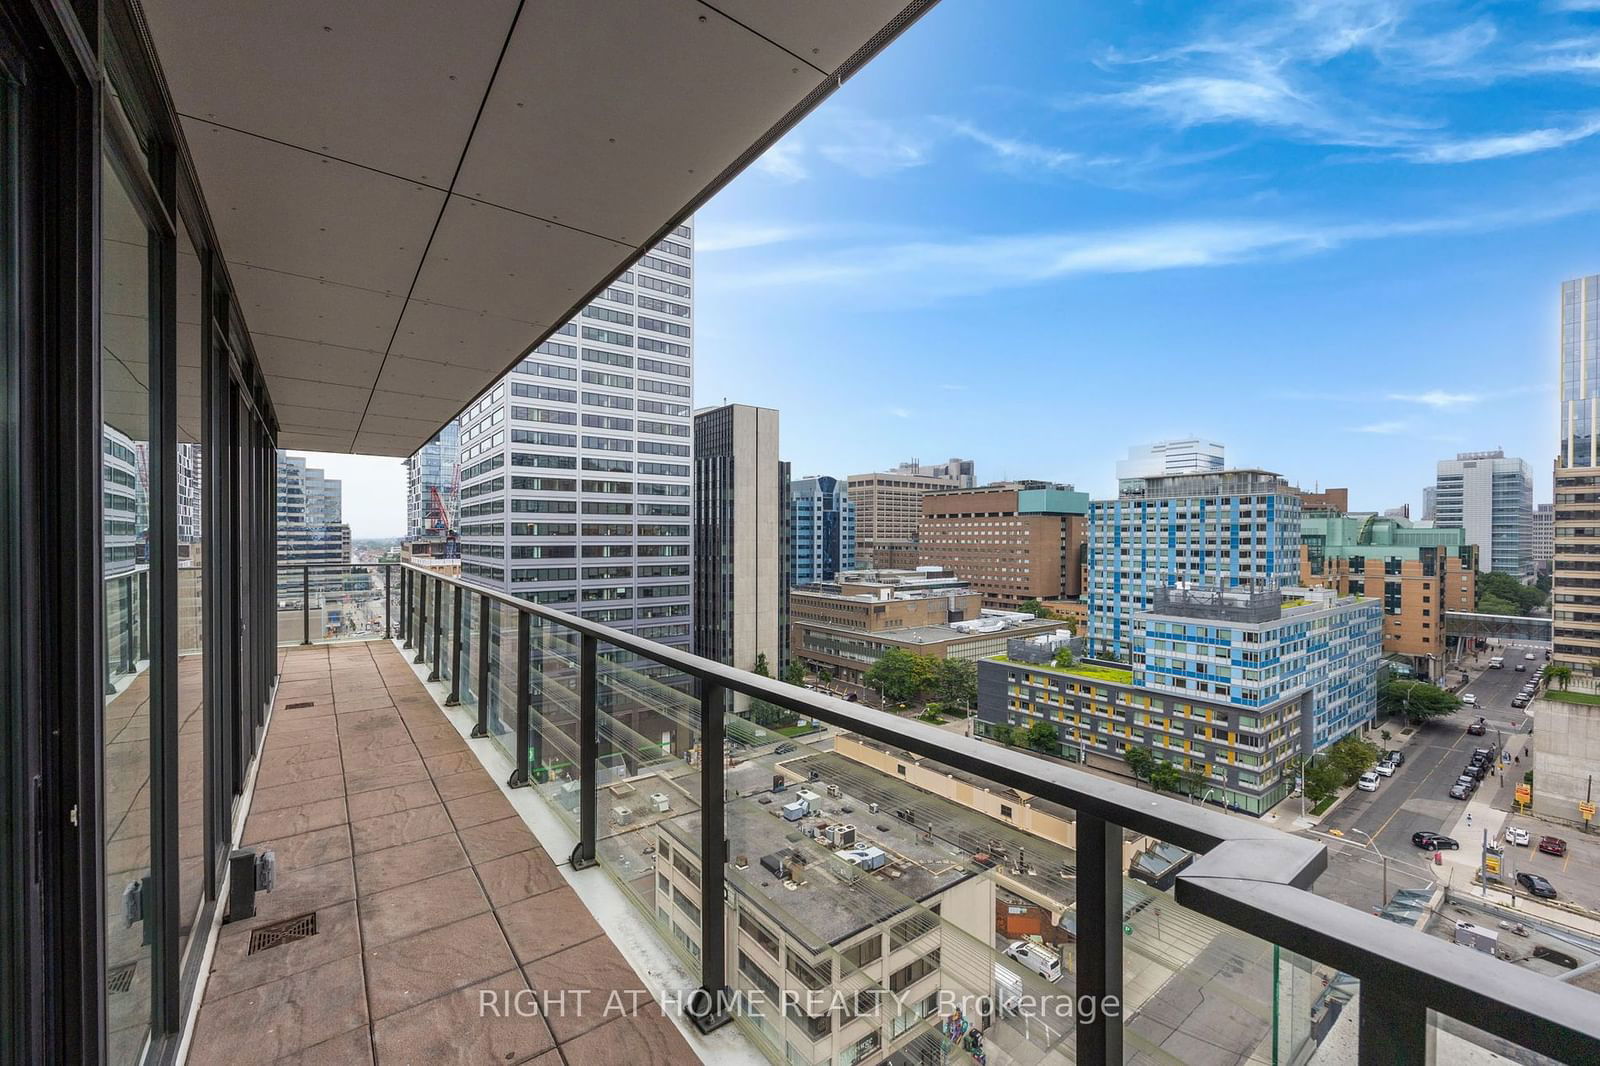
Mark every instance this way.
x=120 y=979
x=285 y=932
x=297 y=706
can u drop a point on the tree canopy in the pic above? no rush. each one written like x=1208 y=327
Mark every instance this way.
x=901 y=676
x=1418 y=701
x=1500 y=593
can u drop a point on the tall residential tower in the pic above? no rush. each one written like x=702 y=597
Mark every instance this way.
x=1575 y=579
x=824 y=523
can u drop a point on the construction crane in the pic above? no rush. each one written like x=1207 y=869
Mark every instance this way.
x=443 y=524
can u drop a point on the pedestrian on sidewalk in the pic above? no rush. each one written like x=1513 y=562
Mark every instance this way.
x=1469 y=819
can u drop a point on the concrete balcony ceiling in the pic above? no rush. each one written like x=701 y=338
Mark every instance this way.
x=410 y=195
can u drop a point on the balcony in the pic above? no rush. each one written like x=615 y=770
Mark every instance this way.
x=506 y=800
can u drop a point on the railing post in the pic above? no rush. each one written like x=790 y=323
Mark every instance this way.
x=709 y=1004
x=454 y=699
x=438 y=626
x=1099 y=949
x=1392 y=1027
x=420 y=595
x=127 y=634
x=388 y=623
x=520 y=777
x=405 y=608
x=588 y=752
x=482 y=728
x=305 y=604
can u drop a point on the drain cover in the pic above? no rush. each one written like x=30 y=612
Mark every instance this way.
x=287 y=931
x=297 y=706
x=120 y=979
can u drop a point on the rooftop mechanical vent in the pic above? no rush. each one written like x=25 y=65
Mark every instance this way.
x=285 y=932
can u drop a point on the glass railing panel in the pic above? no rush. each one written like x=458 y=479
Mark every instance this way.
x=346 y=603
x=447 y=622
x=471 y=648
x=1452 y=1041
x=502 y=647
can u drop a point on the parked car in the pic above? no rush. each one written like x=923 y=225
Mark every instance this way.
x=1396 y=757
x=1483 y=754
x=1521 y=699
x=1458 y=791
x=1515 y=834
x=1469 y=699
x=1384 y=769
x=783 y=749
x=1553 y=846
x=1478 y=728
x=1536 y=885
x=1368 y=782
x=1474 y=770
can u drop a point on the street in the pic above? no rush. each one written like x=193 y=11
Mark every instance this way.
x=1417 y=797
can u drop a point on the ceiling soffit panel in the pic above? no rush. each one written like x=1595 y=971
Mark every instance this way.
x=303 y=393
x=302 y=213
x=610 y=117
x=475 y=340
x=288 y=305
x=435 y=409
x=305 y=440
x=393 y=86
x=824 y=33
x=311 y=361
x=484 y=258
x=424 y=377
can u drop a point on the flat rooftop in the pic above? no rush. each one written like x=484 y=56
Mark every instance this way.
x=834 y=900
x=945 y=634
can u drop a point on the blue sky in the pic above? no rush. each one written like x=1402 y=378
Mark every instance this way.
x=1328 y=234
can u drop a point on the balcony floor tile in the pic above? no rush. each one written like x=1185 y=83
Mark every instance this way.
x=430 y=893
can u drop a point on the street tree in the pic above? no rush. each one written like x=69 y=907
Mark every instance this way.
x=1140 y=762
x=1042 y=736
x=1416 y=701
x=1560 y=673
x=901 y=676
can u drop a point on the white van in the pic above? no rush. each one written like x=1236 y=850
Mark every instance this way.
x=1497 y=663
x=1035 y=958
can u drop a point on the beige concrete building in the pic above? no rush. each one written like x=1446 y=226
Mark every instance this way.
x=1014 y=542
x=876 y=600
x=888 y=508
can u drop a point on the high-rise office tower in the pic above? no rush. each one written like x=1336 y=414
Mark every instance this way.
x=576 y=467
x=311 y=527
x=433 y=485
x=824 y=524
x=1574 y=610
x=1185 y=455
x=1430 y=502
x=741 y=578
x=1227 y=529
x=1491 y=497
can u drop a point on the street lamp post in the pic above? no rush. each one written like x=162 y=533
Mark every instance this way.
x=1373 y=844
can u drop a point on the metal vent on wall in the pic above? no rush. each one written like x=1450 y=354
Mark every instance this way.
x=120 y=979
x=285 y=932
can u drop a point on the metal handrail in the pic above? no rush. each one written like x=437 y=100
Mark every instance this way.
x=1248 y=875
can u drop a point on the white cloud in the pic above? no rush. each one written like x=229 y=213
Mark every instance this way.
x=1015 y=151
x=1575 y=5
x=1386 y=429
x=784 y=162
x=1437 y=398
x=935 y=268
x=730 y=237
x=872 y=147
x=898 y=412
x=1473 y=149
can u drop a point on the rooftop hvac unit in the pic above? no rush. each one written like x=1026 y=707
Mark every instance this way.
x=660 y=802
x=841 y=836
x=873 y=807
x=621 y=815
x=793 y=812
x=868 y=858
x=776 y=863
x=835 y=791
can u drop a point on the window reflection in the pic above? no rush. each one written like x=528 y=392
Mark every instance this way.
x=125 y=496
x=191 y=554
